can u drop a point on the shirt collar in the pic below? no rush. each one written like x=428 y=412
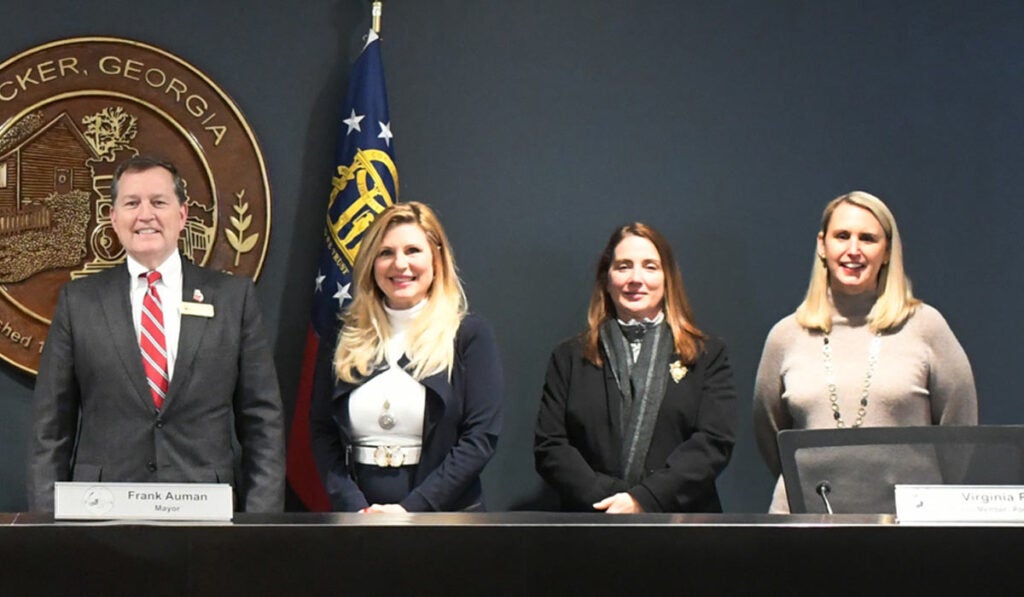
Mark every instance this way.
x=170 y=269
x=647 y=321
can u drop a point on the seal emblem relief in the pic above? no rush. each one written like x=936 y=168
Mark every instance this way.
x=70 y=111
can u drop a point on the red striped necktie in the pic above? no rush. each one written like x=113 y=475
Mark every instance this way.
x=153 y=342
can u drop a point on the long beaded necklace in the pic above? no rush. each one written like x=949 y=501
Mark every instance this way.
x=830 y=379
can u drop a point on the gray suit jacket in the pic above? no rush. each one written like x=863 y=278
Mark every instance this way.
x=93 y=415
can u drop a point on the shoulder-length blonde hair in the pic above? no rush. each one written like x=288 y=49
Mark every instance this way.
x=685 y=335
x=895 y=302
x=365 y=328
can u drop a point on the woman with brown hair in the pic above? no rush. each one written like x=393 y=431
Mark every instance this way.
x=638 y=412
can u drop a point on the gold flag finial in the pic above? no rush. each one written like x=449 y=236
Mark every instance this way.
x=378 y=6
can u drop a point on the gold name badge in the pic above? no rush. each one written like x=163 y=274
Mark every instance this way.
x=197 y=309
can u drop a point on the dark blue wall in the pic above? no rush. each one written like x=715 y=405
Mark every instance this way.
x=536 y=127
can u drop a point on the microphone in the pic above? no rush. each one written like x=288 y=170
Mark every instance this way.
x=823 y=489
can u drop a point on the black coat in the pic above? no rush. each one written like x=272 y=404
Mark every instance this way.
x=578 y=437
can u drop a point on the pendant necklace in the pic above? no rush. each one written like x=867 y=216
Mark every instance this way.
x=830 y=379
x=385 y=420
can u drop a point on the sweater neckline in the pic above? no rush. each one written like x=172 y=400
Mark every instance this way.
x=401 y=319
x=852 y=309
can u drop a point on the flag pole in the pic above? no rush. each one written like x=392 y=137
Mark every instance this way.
x=378 y=6
x=360 y=151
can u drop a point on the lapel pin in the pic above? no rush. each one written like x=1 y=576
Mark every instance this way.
x=197 y=295
x=677 y=370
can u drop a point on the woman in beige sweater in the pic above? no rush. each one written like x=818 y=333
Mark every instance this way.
x=860 y=350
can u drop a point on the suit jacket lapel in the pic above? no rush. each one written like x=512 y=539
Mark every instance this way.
x=192 y=328
x=117 y=308
x=439 y=397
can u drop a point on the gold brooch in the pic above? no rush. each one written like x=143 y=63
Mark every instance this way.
x=677 y=370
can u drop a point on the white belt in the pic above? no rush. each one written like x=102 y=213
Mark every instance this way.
x=387 y=455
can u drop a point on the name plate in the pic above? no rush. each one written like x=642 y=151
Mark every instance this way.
x=963 y=504
x=142 y=501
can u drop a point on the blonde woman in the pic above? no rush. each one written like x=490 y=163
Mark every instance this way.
x=860 y=350
x=415 y=410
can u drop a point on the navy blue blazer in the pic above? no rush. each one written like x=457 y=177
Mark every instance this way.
x=578 y=436
x=460 y=427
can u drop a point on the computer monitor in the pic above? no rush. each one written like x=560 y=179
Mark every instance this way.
x=855 y=470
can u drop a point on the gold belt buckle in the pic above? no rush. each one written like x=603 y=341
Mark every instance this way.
x=392 y=456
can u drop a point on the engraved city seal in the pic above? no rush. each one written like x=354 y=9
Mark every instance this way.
x=70 y=111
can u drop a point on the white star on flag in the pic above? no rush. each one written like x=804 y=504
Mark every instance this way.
x=385 y=133
x=353 y=122
x=342 y=294
x=319 y=281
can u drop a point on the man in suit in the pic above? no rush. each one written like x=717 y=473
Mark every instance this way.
x=152 y=378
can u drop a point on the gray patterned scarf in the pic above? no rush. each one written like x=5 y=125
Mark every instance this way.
x=642 y=386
